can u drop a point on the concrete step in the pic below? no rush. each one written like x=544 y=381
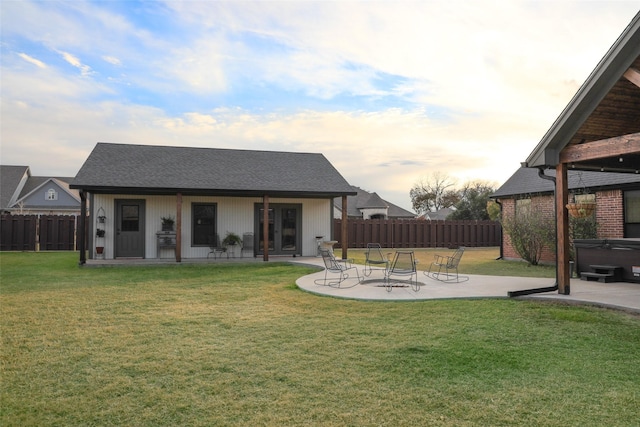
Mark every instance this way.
x=597 y=277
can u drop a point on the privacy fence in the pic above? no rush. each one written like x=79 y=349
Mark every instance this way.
x=38 y=232
x=59 y=233
x=419 y=233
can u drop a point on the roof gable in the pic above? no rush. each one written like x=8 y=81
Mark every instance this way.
x=605 y=106
x=36 y=196
x=365 y=200
x=146 y=168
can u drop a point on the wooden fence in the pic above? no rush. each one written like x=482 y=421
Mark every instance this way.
x=38 y=232
x=58 y=233
x=419 y=233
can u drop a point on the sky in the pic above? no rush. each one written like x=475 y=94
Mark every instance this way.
x=390 y=92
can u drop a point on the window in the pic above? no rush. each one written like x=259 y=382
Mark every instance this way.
x=203 y=220
x=632 y=213
x=51 y=194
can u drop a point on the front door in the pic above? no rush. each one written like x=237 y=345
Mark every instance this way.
x=284 y=229
x=130 y=228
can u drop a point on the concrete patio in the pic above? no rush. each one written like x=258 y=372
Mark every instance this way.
x=621 y=295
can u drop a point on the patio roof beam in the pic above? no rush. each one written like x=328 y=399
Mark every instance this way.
x=610 y=147
x=633 y=76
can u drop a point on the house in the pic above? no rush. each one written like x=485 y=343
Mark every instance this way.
x=599 y=130
x=365 y=205
x=617 y=198
x=22 y=194
x=283 y=199
x=439 y=215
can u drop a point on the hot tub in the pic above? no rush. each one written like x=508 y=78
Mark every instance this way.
x=623 y=253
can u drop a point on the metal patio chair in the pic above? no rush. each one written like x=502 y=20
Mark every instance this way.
x=374 y=257
x=216 y=248
x=450 y=266
x=247 y=244
x=339 y=268
x=403 y=265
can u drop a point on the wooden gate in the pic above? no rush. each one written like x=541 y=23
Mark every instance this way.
x=38 y=232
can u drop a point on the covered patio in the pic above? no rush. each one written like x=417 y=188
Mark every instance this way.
x=599 y=130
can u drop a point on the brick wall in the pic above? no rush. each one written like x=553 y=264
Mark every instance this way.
x=609 y=216
x=543 y=204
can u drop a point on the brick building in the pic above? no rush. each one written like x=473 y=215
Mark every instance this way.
x=617 y=198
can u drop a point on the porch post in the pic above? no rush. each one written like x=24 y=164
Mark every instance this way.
x=344 y=232
x=178 y=227
x=82 y=225
x=265 y=228
x=562 y=229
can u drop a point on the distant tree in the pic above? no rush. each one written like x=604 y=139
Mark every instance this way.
x=474 y=197
x=493 y=209
x=434 y=193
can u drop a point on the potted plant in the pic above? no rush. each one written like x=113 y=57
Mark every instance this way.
x=231 y=239
x=581 y=209
x=100 y=232
x=167 y=223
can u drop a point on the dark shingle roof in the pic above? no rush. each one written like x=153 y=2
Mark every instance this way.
x=157 y=169
x=527 y=181
x=10 y=177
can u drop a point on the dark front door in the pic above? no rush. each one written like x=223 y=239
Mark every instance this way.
x=284 y=229
x=130 y=228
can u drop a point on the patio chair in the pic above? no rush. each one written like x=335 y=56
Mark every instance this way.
x=216 y=248
x=450 y=266
x=339 y=267
x=403 y=265
x=374 y=257
x=247 y=244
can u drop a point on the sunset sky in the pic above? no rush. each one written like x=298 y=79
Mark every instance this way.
x=389 y=91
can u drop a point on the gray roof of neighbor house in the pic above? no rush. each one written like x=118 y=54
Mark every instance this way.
x=10 y=177
x=148 y=169
x=527 y=181
x=365 y=200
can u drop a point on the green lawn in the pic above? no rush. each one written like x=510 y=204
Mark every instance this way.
x=239 y=344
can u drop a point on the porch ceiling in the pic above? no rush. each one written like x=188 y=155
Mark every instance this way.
x=618 y=114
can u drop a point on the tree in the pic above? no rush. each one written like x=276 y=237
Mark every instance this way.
x=474 y=197
x=434 y=193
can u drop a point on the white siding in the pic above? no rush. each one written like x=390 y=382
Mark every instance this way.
x=234 y=215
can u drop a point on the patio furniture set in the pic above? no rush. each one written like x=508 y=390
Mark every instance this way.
x=398 y=269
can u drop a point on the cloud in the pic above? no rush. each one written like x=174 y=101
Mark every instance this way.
x=387 y=91
x=33 y=61
x=112 y=60
x=85 y=70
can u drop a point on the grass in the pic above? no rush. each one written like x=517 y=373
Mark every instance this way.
x=239 y=344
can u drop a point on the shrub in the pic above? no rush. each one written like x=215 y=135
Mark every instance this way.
x=530 y=233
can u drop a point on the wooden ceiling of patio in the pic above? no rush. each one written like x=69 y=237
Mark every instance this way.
x=618 y=114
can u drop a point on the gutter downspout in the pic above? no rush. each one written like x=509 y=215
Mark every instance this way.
x=512 y=294
x=501 y=233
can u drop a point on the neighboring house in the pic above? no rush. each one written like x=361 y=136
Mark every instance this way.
x=439 y=215
x=617 y=198
x=24 y=194
x=208 y=192
x=365 y=205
